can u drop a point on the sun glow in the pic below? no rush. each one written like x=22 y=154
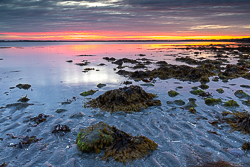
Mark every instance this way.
x=105 y=36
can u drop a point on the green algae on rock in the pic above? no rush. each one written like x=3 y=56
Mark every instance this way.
x=231 y=103
x=212 y=101
x=87 y=93
x=241 y=94
x=220 y=90
x=238 y=121
x=117 y=144
x=127 y=99
x=204 y=86
x=172 y=93
x=197 y=91
x=23 y=86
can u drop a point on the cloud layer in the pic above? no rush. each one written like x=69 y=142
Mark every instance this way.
x=159 y=17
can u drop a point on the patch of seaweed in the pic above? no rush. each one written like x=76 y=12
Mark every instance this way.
x=238 y=121
x=40 y=118
x=220 y=90
x=24 y=99
x=126 y=99
x=119 y=145
x=234 y=71
x=231 y=103
x=85 y=62
x=246 y=146
x=217 y=164
x=205 y=94
x=109 y=58
x=26 y=141
x=183 y=72
x=59 y=128
x=212 y=101
x=197 y=91
x=3 y=164
x=23 y=86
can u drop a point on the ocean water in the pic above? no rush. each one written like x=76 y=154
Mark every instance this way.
x=183 y=138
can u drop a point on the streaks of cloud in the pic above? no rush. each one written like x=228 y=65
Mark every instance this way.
x=166 y=17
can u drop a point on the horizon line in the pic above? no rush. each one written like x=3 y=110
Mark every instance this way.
x=146 y=40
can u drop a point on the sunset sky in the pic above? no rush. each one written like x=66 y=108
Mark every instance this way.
x=124 y=19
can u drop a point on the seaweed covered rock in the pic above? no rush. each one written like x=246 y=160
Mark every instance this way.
x=241 y=94
x=126 y=99
x=238 y=121
x=179 y=102
x=117 y=144
x=87 y=93
x=234 y=71
x=212 y=101
x=220 y=90
x=100 y=85
x=95 y=137
x=231 y=103
x=197 y=91
x=172 y=93
x=183 y=72
x=204 y=86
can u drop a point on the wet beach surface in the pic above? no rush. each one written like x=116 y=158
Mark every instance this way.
x=59 y=72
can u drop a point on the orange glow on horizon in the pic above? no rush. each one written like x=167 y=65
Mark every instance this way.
x=89 y=36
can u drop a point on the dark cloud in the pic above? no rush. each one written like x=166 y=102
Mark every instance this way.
x=159 y=16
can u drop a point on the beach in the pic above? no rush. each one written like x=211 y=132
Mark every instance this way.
x=189 y=129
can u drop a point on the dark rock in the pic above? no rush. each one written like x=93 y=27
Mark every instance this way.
x=60 y=110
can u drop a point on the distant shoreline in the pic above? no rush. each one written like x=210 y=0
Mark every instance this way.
x=246 y=40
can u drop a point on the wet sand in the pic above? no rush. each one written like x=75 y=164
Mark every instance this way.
x=184 y=138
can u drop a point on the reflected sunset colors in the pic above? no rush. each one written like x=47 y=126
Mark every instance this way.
x=45 y=62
